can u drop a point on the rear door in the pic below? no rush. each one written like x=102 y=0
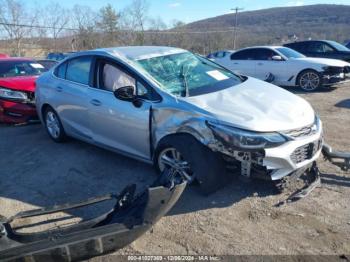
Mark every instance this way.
x=116 y=124
x=242 y=62
x=70 y=97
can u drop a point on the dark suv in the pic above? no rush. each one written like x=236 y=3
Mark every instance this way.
x=321 y=48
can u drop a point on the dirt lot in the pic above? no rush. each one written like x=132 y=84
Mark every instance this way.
x=240 y=219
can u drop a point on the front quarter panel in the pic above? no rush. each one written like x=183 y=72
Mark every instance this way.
x=173 y=116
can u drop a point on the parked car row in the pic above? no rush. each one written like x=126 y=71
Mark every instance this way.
x=286 y=67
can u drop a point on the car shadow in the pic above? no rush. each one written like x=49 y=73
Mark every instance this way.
x=344 y=104
x=192 y=201
x=36 y=172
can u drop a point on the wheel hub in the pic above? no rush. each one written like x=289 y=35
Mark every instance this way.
x=171 y=158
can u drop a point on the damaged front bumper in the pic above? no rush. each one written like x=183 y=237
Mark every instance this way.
x=284 y=160
x=302 y=148
x=336 y=76
x=131 y=217
x=13 y=112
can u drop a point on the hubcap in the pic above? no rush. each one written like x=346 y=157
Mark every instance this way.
x=309 y=81
x=171 y=158
x=52 y=125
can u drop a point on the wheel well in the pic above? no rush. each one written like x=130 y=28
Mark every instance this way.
x=43 y=109
x=170 y=136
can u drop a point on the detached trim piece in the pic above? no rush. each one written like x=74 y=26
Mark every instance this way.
x=131 y=217
x=305 y=191
x=330 y=155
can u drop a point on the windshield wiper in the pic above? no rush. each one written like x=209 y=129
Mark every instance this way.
x=185 y=83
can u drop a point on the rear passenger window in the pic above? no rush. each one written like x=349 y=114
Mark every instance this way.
x=248 y=54
x=61 y=71
x=78 y=70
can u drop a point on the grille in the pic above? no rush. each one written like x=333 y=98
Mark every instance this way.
x=302 y=132
x=306 y=152
x=334 y=70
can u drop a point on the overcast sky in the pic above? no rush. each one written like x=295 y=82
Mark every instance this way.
x=190 y=10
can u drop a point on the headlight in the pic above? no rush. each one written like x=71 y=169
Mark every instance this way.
x=246 y=140
x=11 y=94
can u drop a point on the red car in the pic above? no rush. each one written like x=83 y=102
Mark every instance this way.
x=17 y=86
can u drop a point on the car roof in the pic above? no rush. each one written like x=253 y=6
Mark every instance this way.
x=263 y=46
x=314 y=40
x=141 y=52
x=226 y=50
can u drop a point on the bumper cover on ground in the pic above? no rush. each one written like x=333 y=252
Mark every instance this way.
x=131 y=217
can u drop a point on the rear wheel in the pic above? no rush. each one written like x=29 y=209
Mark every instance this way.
x=194 y=161
x=309 y=80
x=54 y=126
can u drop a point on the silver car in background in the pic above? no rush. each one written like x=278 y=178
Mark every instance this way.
x=171 y=108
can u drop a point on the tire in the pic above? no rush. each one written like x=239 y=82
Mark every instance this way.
x=204 y=165
x=54 y=126
x=309 y=80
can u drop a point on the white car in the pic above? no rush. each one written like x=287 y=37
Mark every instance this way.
x=285 y=67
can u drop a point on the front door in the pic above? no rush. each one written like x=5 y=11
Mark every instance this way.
x=116 y=124
x=268 y=69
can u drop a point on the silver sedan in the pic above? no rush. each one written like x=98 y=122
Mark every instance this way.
x=175 y=109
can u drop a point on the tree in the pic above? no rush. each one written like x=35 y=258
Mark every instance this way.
x=56 y=19
x=12 y=17
x=108 y=22
x=135 y=18
x=84 y=20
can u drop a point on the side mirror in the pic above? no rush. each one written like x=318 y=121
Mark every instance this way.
x=125 y=93
x=277 y=58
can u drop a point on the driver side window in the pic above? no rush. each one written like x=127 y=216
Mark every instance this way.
x=265 y=54
x=112 y=78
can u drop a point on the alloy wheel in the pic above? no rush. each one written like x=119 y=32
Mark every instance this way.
x=309 y=81
x=171 y=158
x=52 y=124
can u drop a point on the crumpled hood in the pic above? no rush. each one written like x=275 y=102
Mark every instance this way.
x=256 y=105
x=324 y=61
x=20 y=83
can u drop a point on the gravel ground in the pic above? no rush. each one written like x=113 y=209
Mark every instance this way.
x=238 y=220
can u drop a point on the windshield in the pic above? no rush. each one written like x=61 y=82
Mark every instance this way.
x=338 y=46
x=186 y=74
x=289 y=53
x=20 y=68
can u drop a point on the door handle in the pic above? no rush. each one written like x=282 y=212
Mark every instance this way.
x=59 y=89
x=260 y=64
x=95 y=102
x=236 y=63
